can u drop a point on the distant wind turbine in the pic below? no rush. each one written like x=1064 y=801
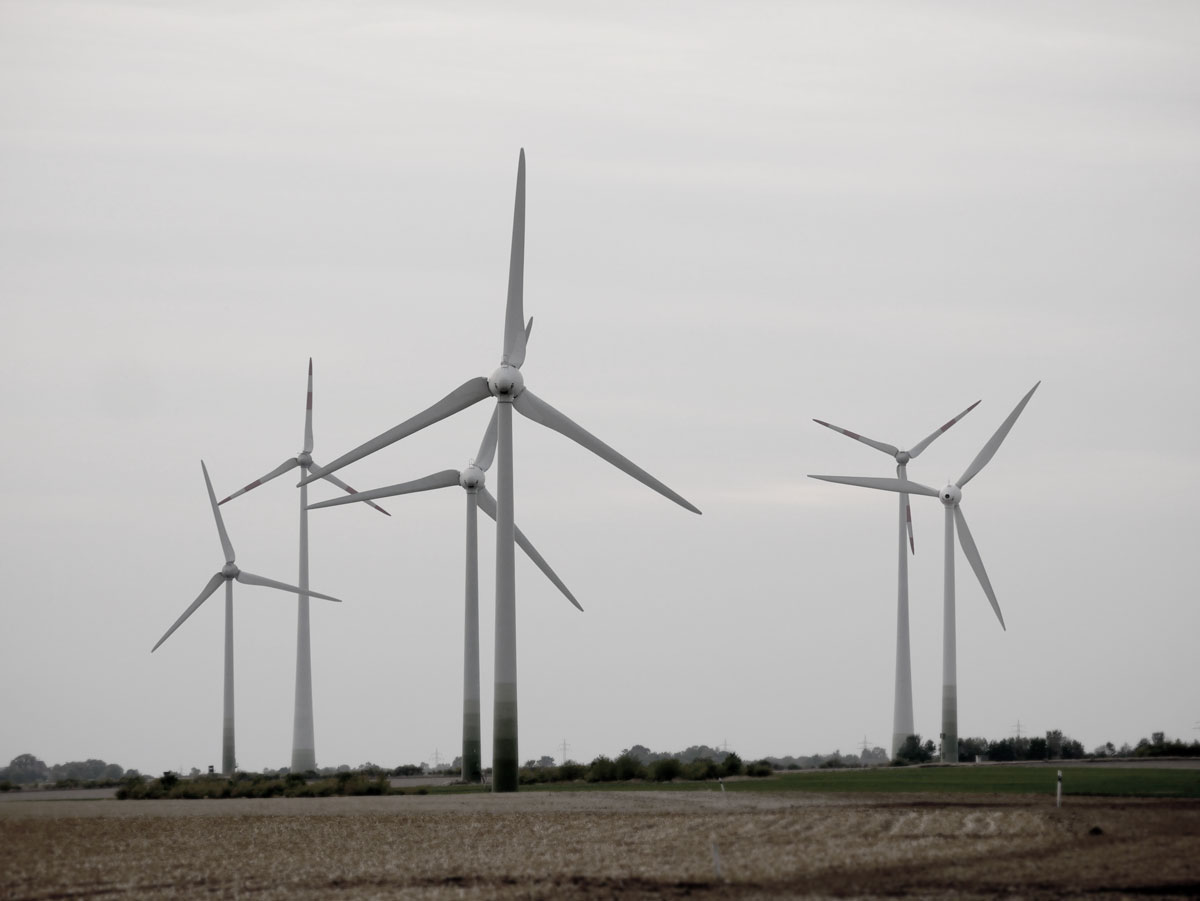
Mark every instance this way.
x=304 y=755
x=227 y=574
x=471 y=480
x=902 y=708
x=951 y=497
x=507 y=385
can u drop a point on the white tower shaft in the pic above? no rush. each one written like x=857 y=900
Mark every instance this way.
x=902 y=711
x=949 y=652
x=504 y=711
x=304 y=755
x=228 y=758
x=472 y=768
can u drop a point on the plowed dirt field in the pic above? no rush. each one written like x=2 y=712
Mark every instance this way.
x=602 y=845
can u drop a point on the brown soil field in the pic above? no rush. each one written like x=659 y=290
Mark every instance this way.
x=602 y=845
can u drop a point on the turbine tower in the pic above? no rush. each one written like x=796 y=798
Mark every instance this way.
x=507 y=385
x=228 y=573
x=304 y=755
x=902 y=708
x=471 y=480
x=951 y=497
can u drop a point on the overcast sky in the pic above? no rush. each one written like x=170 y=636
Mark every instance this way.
x=740 y=217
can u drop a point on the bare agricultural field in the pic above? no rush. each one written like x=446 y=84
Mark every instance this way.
x=602 y=845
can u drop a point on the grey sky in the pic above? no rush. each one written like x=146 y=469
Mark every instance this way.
x=739 y=218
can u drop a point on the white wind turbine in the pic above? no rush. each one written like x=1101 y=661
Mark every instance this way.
x=902 y=709
x=507 y=385
x=471 y=480
x=227 y=574
x=951 y=497
x=304 y=755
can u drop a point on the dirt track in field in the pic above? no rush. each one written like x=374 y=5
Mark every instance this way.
x=601 y=845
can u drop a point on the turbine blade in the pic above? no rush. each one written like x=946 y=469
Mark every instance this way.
x=903 y=486
x=443 y=479
x=279 y=470
x=514 y=314
x=487 y=503
x=532 y=407
x=915 y=451
x=908 y=520
x=972 y=552
x=487 y=447
x=226 y=545
x=993 y=445
x=308 y=436
x=870 y=442
x=469 y=392
x=204 y=595
x=335 y=480
x=250 y=579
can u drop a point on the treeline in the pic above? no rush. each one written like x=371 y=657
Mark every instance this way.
x=628 y=766
x=1053 y=746
x=259 y=785
x=25 y=769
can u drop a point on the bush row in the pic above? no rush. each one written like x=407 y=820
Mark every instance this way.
x=627 y=767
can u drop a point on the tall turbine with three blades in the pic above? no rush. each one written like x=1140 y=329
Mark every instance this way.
x=471 y=480
x=951 y=498
x=902 y=709
x=228 y=573
x=304 y=755
x=507 y=385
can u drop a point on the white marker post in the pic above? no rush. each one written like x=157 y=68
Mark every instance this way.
x=1059 y=798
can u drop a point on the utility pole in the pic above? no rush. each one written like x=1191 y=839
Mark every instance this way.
x=1018 y=728
x=437 y=759
x=564 y=751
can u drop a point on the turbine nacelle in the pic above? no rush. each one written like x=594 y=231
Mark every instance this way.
x=472 y=478
x=506 y=382
x=950 y=495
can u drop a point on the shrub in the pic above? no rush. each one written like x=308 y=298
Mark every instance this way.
x=629 y=767
x=760 y=768
x=702 y=768
x=570 y=771
x=666 y=769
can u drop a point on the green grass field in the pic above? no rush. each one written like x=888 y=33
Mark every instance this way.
x=1149 y=782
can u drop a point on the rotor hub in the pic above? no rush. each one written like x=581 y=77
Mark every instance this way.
x=506 y=382
x=304 y=458
x=950 y=495
x=230 y=571
x=903 y=457
x=472 y=478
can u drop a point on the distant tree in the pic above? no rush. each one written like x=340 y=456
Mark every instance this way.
x=732 y=765
x=602 y=770
x=1054 y=741
x=912 y=751
x=25 y=769
x=1001 y=750
x=1038 y=749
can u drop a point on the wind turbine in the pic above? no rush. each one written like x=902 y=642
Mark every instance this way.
x=472 y=481
x=507 y=385
x=228 y=573
x=951 y=498
x=304 y=755
x=902 y=708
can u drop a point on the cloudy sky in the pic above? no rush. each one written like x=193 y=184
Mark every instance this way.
x=739 y=218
